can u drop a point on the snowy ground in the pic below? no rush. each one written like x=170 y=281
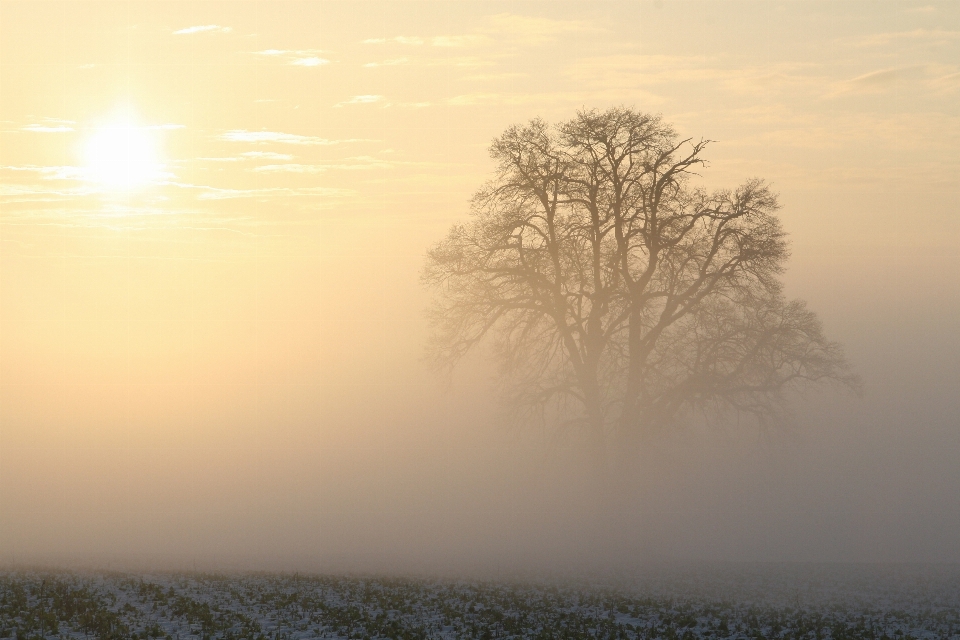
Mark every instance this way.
x=684 y=602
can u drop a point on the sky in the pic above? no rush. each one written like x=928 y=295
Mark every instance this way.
x=213 y=217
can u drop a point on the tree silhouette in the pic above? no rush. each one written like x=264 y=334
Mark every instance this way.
x=619 y=296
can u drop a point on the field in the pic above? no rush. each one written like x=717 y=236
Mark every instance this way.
x=685 y=602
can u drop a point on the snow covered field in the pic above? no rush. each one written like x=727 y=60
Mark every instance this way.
x=685 y=602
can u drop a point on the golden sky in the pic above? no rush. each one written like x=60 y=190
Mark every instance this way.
x=213 y=216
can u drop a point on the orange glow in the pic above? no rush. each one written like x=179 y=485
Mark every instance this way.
x=214 y=215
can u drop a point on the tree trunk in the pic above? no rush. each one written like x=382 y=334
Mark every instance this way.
x=632 y=393
x=597 y=429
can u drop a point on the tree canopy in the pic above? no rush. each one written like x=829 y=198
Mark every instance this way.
x=617 y=294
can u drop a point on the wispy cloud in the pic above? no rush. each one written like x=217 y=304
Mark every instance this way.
x=882 y=77
x=213 y=193
x=436 y=60
x=487 y=99
x=63 y=172
x=68 y=173
x=242 y=135
x=39 y=184
x=915 y=35
x=467 y=40
x=299 y=57
x=291 y=168
x=46 y=128
x=24 y=191
x=880 y=80
x=573 y=99
x=362 y=99
x=250 y=155
x=50 y=125
x=494 y=77
x=205 y=28
x=951 y=80
x=266 y=155
x=397 y=39
x=311 y=61
x=388 y=63
x=356 y=163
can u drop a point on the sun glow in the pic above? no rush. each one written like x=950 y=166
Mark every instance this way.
x=122 y=155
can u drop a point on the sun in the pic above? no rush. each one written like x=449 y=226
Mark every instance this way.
x=122 y=155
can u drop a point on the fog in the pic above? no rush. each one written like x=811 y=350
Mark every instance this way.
x=241 y=385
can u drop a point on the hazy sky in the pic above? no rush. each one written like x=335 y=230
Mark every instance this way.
x=211 y=333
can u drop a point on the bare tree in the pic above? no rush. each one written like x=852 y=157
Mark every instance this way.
x=618 y=295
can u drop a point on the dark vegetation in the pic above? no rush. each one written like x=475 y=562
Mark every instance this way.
x=71 y=605
x=619 y=296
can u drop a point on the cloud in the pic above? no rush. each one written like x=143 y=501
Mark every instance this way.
x=8 y=190
x=932 y=77
x=489 y=99
x=46 y=184
x=880 y=80
x=572 y=99
x=311 y=61
x=388 y=63
x=348 y=164
x=483 y=99
x=949 y=80
x=443 y=60
x=291 y=168
x=44 y=128
x=206 y=28
x=242 y=135
x=362 y=99
x=250 y=155
x=916 y=35
x=66 y=172
x=50 y=125
x=485 y=77
x=213 y=193
x=297 y=57
x=434 y=41
x=397 y=39
x=266 y=155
